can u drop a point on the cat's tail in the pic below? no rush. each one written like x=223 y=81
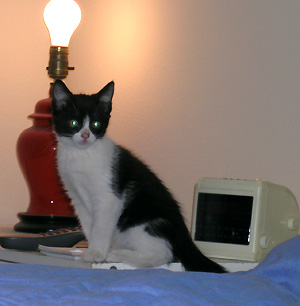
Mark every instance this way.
x=191 y=257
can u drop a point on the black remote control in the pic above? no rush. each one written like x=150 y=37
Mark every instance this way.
x=67 y=238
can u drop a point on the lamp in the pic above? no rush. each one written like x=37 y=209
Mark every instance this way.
x=49 y=207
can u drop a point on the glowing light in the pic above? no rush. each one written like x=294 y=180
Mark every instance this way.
x=61 y=18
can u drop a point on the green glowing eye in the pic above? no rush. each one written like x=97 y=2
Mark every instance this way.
x=73 y=123
x=96 y=124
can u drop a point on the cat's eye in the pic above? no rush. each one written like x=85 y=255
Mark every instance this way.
x=96 y=124
x=73 y=123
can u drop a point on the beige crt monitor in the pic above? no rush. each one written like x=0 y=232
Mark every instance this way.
x=242 y=219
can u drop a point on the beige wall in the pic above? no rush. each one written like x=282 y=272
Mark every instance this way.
x=203 y=88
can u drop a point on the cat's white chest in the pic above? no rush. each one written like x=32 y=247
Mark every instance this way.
x=87 y=172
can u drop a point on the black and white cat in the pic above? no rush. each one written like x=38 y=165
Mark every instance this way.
x=126 y=212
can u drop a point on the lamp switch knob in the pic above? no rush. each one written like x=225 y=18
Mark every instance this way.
x=264 y=241
x=293 y=224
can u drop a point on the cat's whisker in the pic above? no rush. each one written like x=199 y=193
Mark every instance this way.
x=74 y=106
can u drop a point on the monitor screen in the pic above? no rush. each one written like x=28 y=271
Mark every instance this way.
x=223 y=218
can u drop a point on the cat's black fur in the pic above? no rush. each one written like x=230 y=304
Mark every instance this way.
x=149 y=202
x=153 y=204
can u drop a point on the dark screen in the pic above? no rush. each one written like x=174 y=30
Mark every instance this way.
x=223 y=218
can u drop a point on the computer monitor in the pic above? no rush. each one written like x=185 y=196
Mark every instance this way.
x=242 y=219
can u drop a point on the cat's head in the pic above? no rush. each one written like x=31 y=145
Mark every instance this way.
x=81 y=119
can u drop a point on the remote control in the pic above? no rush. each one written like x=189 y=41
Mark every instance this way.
x=66 y=237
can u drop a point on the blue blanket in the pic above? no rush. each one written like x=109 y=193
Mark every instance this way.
x=275 y=281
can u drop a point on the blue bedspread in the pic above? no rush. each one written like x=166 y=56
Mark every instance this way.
x=276 y=281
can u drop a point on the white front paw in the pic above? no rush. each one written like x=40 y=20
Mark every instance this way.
x=93 y=256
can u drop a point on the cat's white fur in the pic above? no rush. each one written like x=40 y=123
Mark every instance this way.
x=85 y=166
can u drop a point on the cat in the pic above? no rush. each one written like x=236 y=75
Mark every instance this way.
x=126 y=212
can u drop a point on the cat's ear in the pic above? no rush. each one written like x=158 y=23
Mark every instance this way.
x=61 y=94
x=106 y=93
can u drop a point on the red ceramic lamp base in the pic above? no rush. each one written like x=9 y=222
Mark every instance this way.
x=49 y=206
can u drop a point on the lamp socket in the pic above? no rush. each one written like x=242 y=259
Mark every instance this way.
x=58 y=62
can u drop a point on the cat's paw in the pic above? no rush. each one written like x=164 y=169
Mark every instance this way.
x=93 y=256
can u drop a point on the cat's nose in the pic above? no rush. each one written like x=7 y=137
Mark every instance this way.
x=85 y=135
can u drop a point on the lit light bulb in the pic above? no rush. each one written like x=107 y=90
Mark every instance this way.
x=61 y=18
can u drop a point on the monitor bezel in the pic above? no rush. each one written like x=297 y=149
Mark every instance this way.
x=229 y=251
